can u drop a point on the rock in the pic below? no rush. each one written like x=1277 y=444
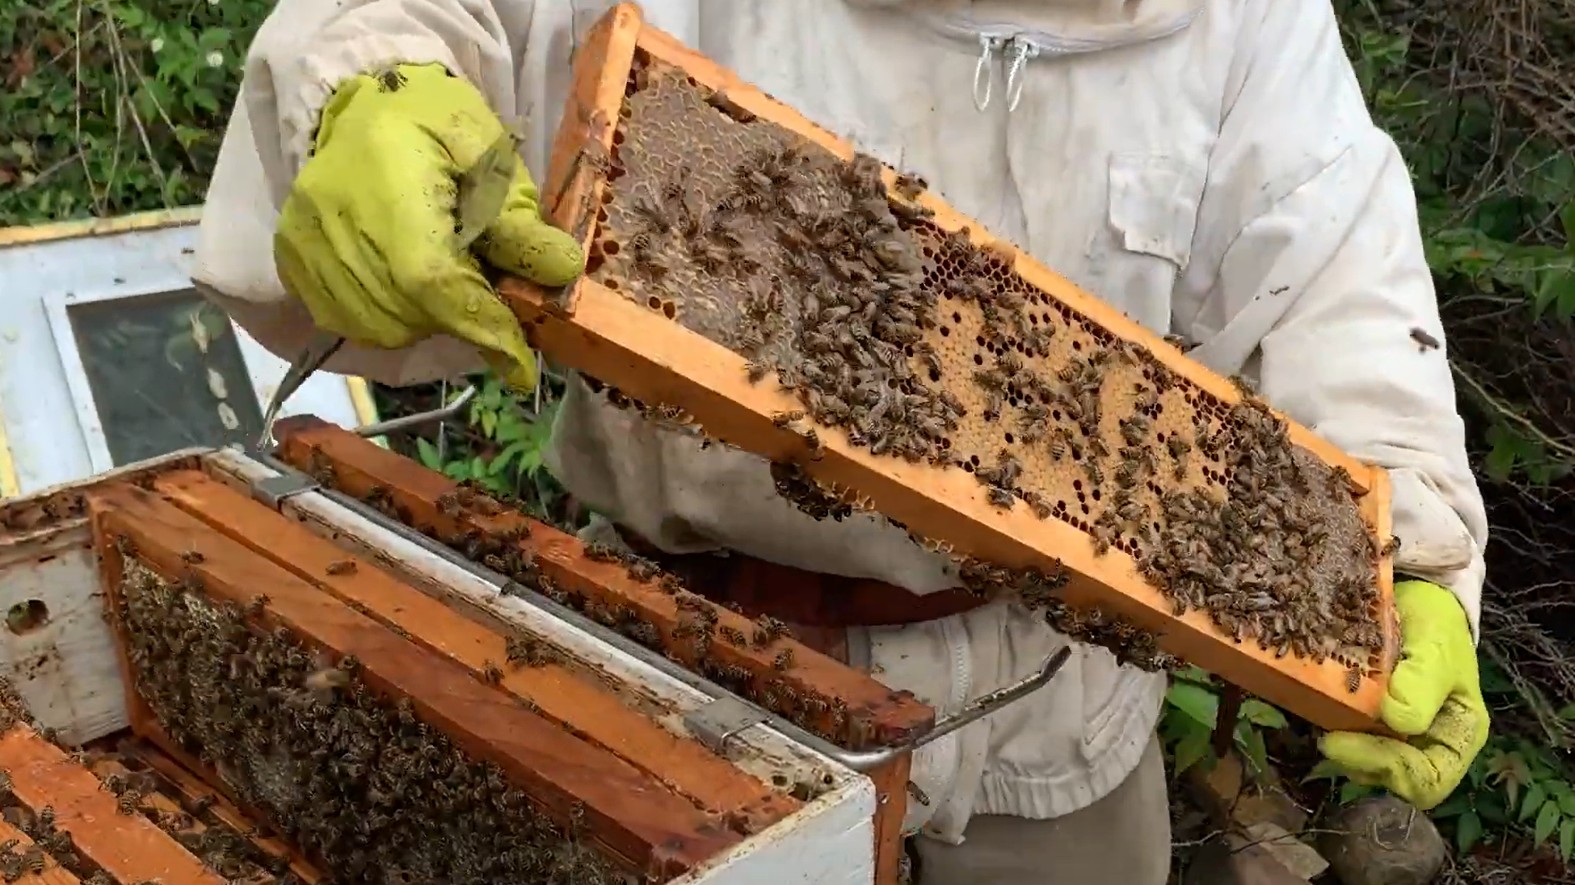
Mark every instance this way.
x=1383 y=841
x=1232 y=798
x=1238 y=860
x=1292 y=853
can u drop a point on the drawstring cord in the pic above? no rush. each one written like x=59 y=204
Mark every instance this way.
x=982 y=72
x=1018 y=54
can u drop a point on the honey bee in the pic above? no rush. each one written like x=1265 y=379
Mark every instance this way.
x=342 y=567
x=491 y=673
x=783 y=419
x=783 y=660
x=1002 y=497
x=1391 y=546
x=1353 y=679
x=192 y=557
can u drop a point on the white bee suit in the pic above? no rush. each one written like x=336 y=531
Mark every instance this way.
x=1207 y=166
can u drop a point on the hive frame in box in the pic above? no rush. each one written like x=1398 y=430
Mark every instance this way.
x=591 y=328
x=885 y=725
x=841 y=823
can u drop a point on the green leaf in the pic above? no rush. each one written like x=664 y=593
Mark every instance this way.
x=1547 y=822
x=213 y=39
x=1350 y=791
x=1456 y=805
x=1326 y=769
x=1251 y=742
x=457 y=470
x=1192 y=749
x=1468 y=831
x=1197 y=702
x=1261 y=714
x=489 y=423
x=1567 y=839
x=1535 y=796
x=428 y=454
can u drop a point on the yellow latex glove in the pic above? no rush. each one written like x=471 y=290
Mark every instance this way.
x=366 y=237
x=1434 y=701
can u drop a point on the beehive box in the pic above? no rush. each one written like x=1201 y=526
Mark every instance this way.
x=383 y=710
x=756 y=659
x=750 y=277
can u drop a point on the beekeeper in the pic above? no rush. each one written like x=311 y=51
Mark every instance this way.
x=1207 y=166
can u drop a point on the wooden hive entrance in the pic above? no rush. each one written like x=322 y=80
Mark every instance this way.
x=800 y=301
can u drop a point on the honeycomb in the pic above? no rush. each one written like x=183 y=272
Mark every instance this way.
x=360 y=783
x=918 y=344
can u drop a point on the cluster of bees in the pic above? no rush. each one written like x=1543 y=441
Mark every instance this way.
x=351 y=777
x=844 y=290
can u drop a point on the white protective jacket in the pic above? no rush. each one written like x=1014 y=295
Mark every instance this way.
x=1207 y=166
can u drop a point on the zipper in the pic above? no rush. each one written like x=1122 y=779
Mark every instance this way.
x=1018 y=46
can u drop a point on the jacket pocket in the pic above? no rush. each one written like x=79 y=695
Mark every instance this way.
x=1154 y=200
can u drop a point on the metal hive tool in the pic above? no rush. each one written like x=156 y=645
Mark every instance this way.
x=750 y=277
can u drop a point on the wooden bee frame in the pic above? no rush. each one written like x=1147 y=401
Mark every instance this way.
x=593 y=327
x=872 y=715
x=129 y=848
x=220 y=546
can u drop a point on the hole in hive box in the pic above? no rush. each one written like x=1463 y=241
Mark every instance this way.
x=610 y=247
x=626 y=112
x=653 y=303
x=25 y=617
x=1084 y=508
x=956 y=317
x=974 y=460
x=618 y=136
x=1009 y=439
x=1082 y=497
x=594 y=262
x=1097 y=495
x=978 y=360
x=1077 y=345
x=935 y=375
x=967 y=466
x=611 y=284
x=1077 y=485
x=945 y=331
x=1032 y=319
x=1056 y=414
x=669 y=309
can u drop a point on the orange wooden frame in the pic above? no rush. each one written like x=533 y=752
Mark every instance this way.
x=875 y=715
x=628 y=812
x=601 y=332
x=129 y=847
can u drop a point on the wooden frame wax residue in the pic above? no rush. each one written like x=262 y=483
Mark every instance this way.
x=607 y=327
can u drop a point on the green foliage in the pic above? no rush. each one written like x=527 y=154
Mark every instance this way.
x=502 y=452
x=1496 y=200
x=1191 y=716
x=1515 y=786
x=115 y=106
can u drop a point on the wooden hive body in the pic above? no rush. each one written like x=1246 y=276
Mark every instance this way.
x=1051 y=445
x=510 y=744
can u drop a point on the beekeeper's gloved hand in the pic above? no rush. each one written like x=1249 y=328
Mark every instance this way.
x=366 y=237
x=1434 y=701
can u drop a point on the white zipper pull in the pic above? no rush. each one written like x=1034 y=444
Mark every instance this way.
x=983 y=70
x=1018 y=54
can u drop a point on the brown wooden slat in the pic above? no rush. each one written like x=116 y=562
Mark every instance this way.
x=127 y=846
x=194 y=791
x=556 y=692
x=633 y=815
x=156 y=803
x=875 y=714
x=52 y=873
x=603 y=333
